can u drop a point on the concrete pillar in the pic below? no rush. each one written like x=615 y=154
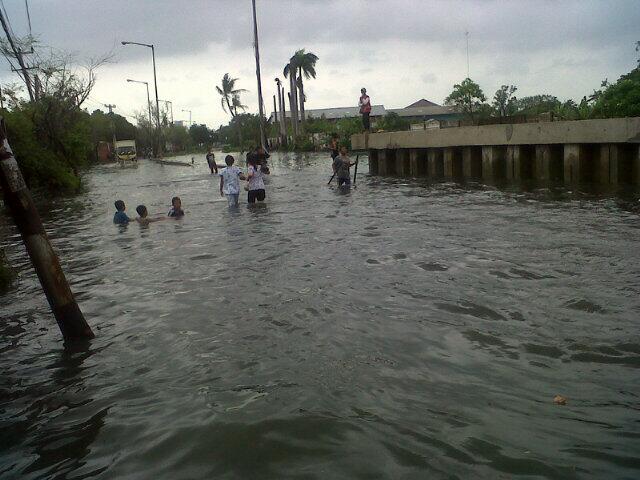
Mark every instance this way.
x=452 y=162
x=373 y=162
x=635 y=165
x=613 y=164
x=548 y=163
x=418 y=162
x=577 y=160
x=493 y=162
x=435 y=163
x=382 y=163
x=403 y=165
x=519 y=162
x=391 y=162
x=472 y=162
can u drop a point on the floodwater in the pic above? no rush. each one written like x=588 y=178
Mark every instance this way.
x=402 y=330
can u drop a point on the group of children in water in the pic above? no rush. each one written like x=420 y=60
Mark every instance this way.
x=143 y=218
x=230 y=177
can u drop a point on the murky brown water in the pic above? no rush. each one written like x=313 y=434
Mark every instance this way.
x=402 y=330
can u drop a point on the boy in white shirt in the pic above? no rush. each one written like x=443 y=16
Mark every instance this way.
x=230 y=181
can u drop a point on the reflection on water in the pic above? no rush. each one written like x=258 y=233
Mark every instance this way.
x=399 y=329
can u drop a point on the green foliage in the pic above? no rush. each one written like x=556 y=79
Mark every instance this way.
x=49 y=163
x=245 y=126
x=347 y=127
x=504 y=101
x=178 y=137
x=622 y=99
x=467 y=96
x=392 y=122
x=537 y=104
x=200 y=135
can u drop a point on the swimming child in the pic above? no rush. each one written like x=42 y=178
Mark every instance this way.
x=230 y=181
x=176 y=208
x=120 y=218
x=144 y=218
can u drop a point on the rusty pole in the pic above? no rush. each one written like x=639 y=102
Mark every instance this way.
x=18 y=198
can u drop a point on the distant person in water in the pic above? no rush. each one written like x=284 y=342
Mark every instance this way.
x=176 y=208
x=120 y=218
x=230 y=181
x=259 y=155
x=333 y=146
x=341 y=165
x=211 y=161
x=365 y=109
x=255 y=176
x=144 y=218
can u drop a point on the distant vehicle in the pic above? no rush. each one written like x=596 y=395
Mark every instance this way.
x=126 y=151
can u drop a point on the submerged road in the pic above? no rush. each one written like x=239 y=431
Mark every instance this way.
x=404 y=329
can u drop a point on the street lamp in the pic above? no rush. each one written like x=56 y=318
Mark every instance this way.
x=148 y=104
x=189 y=116
x=155 y=82
x=170 y=103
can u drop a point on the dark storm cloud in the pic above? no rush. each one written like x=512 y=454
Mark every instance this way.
x=183 y=27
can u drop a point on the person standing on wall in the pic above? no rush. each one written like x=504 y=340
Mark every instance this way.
x=365 y=109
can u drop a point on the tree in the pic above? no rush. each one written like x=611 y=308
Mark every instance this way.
x=305 y=64
x=392 y=122
x=200 y=135
x=229 y=93
x=504 y=101
x=290 y=73
x=467 y=96
x=622 y=99
x=537 y=104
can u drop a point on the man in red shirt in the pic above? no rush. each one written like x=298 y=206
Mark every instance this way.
x=365 y=108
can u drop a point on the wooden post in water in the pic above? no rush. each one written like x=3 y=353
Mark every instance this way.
x=18 y=198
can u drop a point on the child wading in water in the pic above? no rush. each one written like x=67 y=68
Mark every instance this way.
x=120 y=218
x=144 y=218
x=176 y=208
x=230 y=177
x=341 y=165
x=255 y=174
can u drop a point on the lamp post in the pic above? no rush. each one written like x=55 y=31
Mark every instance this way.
x=170 y=103
x=263 y=140
x=148 y=104
x=155 y=83
x=189 y=111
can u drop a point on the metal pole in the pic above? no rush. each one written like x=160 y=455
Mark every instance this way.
x=275 y=110
x=150 y=118
x=257 y=51
x=56 y=288
x=155 y=82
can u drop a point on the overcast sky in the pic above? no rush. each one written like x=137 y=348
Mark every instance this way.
x=401 y=50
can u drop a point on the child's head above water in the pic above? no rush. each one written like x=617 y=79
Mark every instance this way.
x=176 y=202
x=119 y=205
x=229 y=160
x=142 y=210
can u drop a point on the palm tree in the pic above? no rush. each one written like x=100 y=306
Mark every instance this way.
x=237 y=104
x=290 y=72
x=306 y=66
x=228 y=94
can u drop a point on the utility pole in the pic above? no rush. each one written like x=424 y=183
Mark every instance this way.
x=263 y=140
x=45 y=261
x=466 y=34
x=18 y=54
x=155 y=83
x=110 y=107
x=113 y=129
